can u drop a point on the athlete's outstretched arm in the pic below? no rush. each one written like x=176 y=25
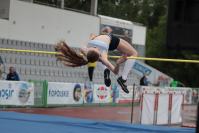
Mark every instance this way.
x=107 y=63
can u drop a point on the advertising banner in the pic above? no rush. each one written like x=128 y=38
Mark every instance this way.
x=16 y=93
x=64 y=93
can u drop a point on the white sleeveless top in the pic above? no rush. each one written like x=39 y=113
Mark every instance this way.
x=99 y=44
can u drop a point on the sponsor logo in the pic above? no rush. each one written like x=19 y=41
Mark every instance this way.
x=57 y=93
x=24 y=92
x=7 y=92
x=102 y=92
x=77 y=93
x=88 y=92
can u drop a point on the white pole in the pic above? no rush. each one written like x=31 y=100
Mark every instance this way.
x=93 y=10
x=62 y=4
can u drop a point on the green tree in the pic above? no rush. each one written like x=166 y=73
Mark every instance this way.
x=83 y=5
x=156 y=47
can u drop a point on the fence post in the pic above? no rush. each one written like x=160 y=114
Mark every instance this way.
x=132 y=105
x=45 y=94
x=197 y=124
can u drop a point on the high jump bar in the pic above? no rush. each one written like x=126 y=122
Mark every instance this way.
x=113 y=57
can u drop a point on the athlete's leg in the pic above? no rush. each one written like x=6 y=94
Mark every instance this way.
x=90 y=73
x=125 y=48
x=91 y=68
x=107 y=80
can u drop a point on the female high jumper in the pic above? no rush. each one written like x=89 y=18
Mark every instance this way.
x=97 y=50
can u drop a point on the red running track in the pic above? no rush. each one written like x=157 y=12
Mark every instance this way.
x=111 y=113
x=98 y=113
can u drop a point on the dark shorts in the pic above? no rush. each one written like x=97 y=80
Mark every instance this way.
x=114 y=42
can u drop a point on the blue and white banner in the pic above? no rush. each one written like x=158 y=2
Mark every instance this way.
x=64 y=93
x=16 y=93
x=154 y=76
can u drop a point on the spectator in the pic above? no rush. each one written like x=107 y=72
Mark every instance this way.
x=12 y=75
x=176 y=83
x=144 y=81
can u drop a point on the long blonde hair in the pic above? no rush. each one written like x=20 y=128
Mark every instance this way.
x=71 y=58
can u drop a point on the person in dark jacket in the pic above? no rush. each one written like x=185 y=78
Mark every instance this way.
x=12 y=75
x=144 y=81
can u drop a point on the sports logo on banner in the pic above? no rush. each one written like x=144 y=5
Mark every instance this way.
x=24 y=92
x=6 y=92
x=88 y=92
x=102 y=94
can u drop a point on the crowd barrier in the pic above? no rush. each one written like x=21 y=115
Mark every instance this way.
x=161 y=107
x=43 y=93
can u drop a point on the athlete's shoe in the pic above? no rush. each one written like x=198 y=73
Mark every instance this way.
x=107 y=80
x=121 y=82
